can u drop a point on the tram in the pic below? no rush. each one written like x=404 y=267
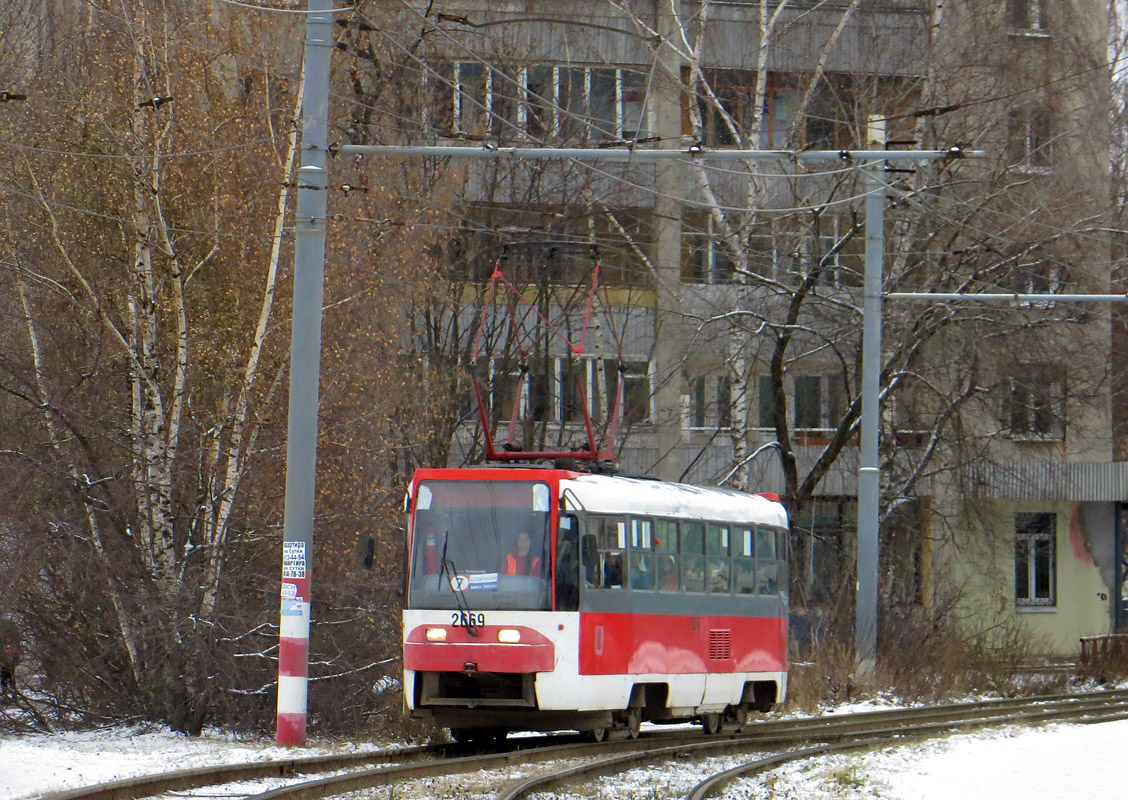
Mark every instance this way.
x=544 y=599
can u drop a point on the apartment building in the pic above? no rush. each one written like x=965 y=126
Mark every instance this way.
x=727 y=301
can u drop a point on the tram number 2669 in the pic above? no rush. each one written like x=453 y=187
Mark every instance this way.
x=467 y=619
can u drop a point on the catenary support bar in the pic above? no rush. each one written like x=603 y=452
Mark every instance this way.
x=1045 y=297
x=635 y=154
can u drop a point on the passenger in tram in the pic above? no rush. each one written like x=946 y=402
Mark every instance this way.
x=667 y=573
x=767 y=580
x=522 y=561
x=613 y=570
x=694 y=578
x=718 y=578
x=745 y=582
x=641 y=576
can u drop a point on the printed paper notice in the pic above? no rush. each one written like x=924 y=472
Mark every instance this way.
x=293 y=608
x=293 y=560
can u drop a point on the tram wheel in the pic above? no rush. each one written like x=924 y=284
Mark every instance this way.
x=741 y=716
x=596 y=734
x=711 y=724
x=634 y=722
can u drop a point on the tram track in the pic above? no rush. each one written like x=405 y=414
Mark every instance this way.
x=836 y=734
x=573 y=764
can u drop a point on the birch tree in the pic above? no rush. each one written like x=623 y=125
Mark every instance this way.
x=146 y=249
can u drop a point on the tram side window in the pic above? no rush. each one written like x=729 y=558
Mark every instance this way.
x=781 y=559
x=666 y=555
x=693 y=556
x=767 y=563
x=611 y=538
x=717 y=561
x=642 y=557
x=744 y=560
x=567 y=569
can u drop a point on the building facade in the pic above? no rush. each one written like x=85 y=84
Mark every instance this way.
x=707 y=314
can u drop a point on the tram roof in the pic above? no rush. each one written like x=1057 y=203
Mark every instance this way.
x=615 y=494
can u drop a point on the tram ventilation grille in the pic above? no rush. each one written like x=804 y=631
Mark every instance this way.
x=720 y=647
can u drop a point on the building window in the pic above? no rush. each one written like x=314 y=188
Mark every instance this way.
x=735 y=93
x=538 y=102
x=830 y=250
x=1035 y=559
x=724 y=401
x=829 y=115
x=538 y=394
x=710 y=402
x=636 y=391
x=538 y=246
x=1029 y=140
x=808 y=401
x=1036 y=404
x=903 y=537
x=698 y=406
x=484 y=100
x=834 y=252
x=600 y=381
x=817 y=402
x=505 y=384
x=706 y=257
x=821 y=534
x=1026 y=16
x=1040 y=276
x=765 y=406
x=522 y=392
x=772 y=255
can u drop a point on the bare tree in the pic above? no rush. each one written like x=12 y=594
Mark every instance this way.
x=145 y=254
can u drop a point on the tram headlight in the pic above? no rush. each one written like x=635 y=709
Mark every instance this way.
x=436 y=634
x=509 y=636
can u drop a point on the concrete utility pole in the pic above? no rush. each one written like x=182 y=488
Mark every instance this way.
x=869 y=464
x=669 y=182
x=305 y=369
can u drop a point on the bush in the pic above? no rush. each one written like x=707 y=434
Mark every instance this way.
x=923 y=655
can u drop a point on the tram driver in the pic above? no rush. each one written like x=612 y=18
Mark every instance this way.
x=522 y=561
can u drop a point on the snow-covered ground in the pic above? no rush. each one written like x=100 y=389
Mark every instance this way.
x=1017 y=763
x=1058 y=762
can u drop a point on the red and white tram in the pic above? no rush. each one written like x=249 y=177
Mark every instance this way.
x=546 y=599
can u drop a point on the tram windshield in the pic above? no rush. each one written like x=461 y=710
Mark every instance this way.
x=481 y=546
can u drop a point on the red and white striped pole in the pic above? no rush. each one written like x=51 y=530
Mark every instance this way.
x=293 y=646
x=305 y=372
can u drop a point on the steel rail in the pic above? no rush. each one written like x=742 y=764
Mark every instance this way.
x=845 y=732
x=159 y=783
x=711 y=784
x=354 y=781
x=863 y=720
x=442 y=760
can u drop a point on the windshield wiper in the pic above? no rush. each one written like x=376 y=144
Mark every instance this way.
x=449 y=569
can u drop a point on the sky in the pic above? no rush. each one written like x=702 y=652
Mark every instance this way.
x=1016 y=763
